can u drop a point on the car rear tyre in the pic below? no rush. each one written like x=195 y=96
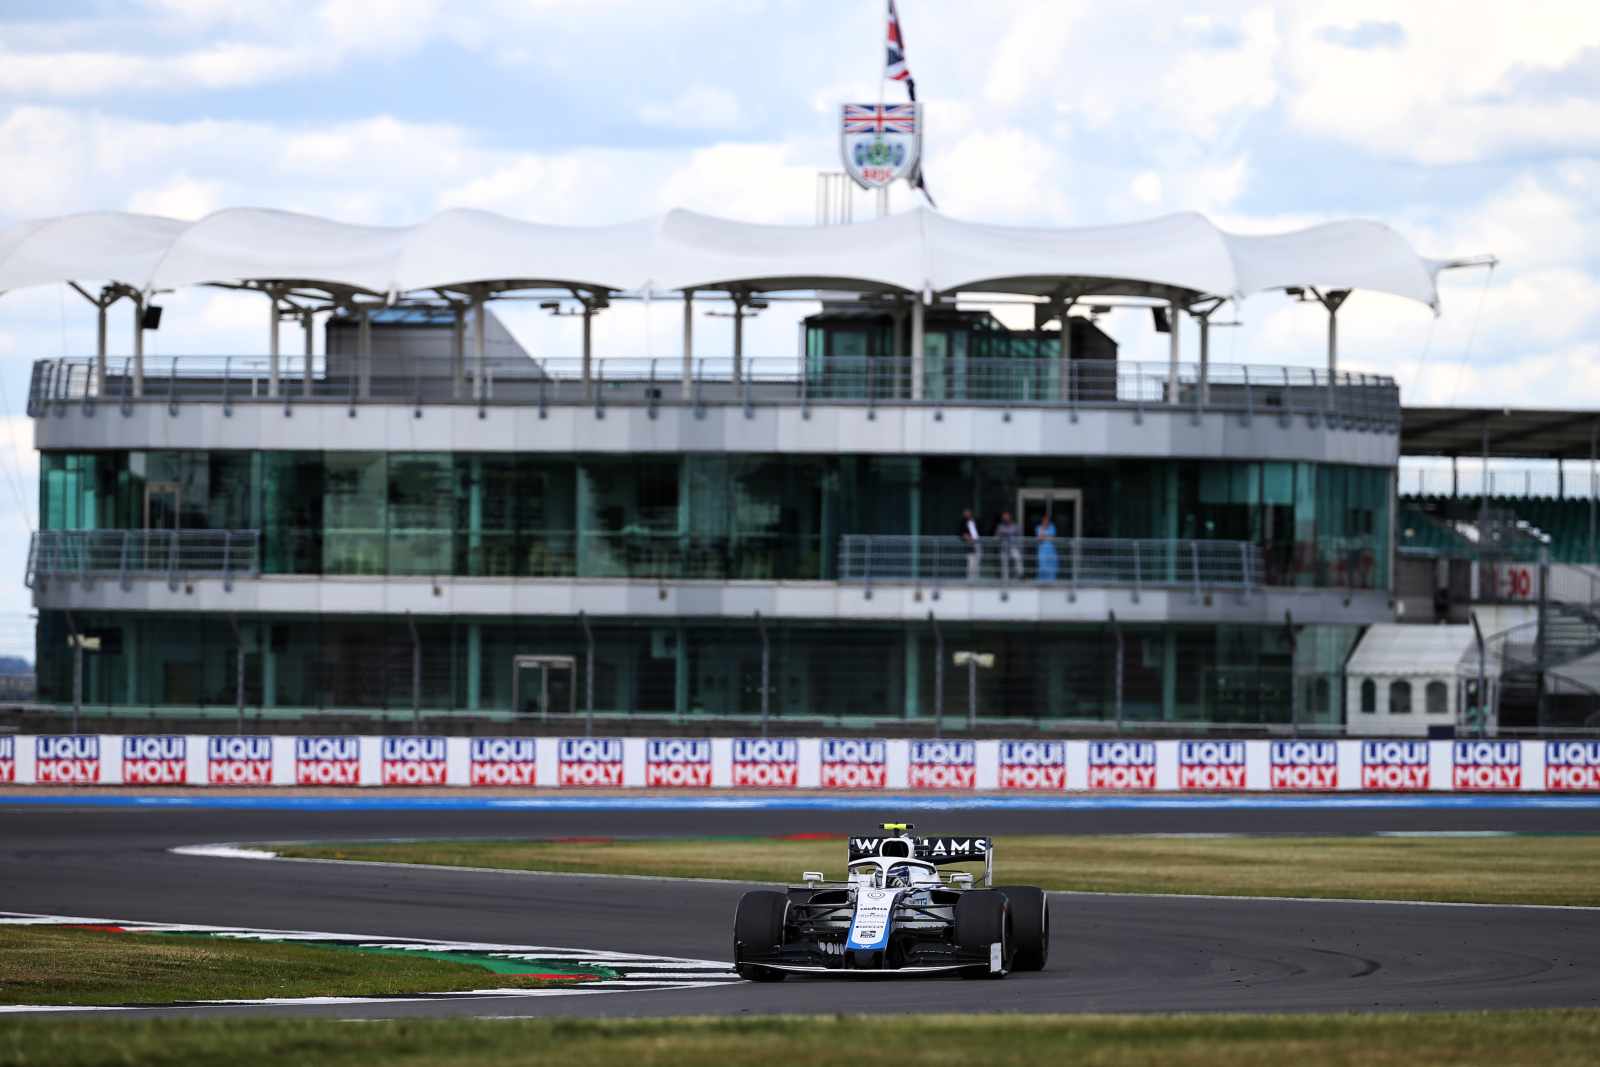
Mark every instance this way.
x=1030 y=926
x=758 y=931
x=983 y=917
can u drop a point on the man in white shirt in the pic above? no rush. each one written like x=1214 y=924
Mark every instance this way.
x=969 y=536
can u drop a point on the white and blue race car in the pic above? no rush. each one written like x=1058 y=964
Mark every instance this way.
x=896 y=912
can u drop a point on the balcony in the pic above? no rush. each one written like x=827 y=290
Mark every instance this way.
x=128 y=554
x=1352 y=400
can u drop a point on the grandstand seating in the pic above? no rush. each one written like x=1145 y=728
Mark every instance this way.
x=1560 y=525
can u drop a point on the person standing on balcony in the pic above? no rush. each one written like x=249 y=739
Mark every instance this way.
x=969 y=537
x=1009 y=534
x=1049 y=560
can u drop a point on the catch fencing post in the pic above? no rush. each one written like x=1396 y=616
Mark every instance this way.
x=938 y=677
x=1117 y=632
x=416 y=676
x=588 y=671
x=766 y=671
x=238 y=672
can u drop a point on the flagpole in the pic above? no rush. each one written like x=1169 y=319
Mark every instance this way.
x=883 y=190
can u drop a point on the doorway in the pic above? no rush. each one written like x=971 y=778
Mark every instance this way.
x=1064 y=506
x=551 y=685
x=162 y=501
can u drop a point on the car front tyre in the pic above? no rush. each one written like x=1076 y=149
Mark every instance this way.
x=983 y=917
x=758 y=931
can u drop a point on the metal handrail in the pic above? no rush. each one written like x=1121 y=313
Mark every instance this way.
x=1074 y=563
x=90 y=554
x=875 y=382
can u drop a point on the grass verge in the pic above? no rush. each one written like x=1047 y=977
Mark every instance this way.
x=66 y=965
x=1553 y=1038
x=1489 y=870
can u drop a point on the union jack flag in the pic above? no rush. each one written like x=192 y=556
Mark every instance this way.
x=880 y=118
x=894 y=67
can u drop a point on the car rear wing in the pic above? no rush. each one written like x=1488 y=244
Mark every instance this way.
x=936 y=850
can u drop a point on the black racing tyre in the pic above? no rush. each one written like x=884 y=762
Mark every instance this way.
x=1030 y=926
x=982 y=917
x=758 y=930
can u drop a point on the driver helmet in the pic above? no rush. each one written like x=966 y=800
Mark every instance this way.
x=901 y=876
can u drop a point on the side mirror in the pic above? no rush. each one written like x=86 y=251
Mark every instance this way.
x=961 y=878
x=812 y=877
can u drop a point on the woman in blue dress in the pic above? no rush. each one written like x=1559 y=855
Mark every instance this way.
x=1048 y=560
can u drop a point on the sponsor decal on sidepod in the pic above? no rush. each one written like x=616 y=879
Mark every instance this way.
x=854 y=764
x=8 y=759
x=239 y=760
x=155 y=760
x=677 y=764
x=1211 y=765
x=502 y=761
x=327 y=761
x=1572 y=766
x=943 y=765
x=66 y=759
x=1122 y=764
x=1487 y=765
x=1394 y=765
x=1035 y=765
x=1303 y=764
x=590 y=761
x=760 y=763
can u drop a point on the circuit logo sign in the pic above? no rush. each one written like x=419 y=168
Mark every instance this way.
x=1487 y=765
x=763 y=764
x=327 y=761
x=943 y=765
x=149 y=760
x=1394 y=765
x=677 y=764
x=67 y=759
x=413 y=761
x=8 y=759
x=590 y=761
x=1122 y=764
x=502 y=761
x=1572 y=766
x=1037 y=765
x=1303 y=765
x=239 y=760
x=854 y=764
x=1211 y=765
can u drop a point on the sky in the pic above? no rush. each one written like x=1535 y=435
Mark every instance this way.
x=1471 y=127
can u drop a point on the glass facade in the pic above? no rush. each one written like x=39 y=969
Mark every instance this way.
x=1213 y=674
x=716 y=516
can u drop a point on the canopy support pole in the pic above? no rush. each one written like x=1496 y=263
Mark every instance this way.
x=918 y=358
x=138 y=344
x=688 y=343
x=458 y=350
x=1204 y=384
x=1066 y=348
x=308 y=322
x=1174 y=311
x=364 y=353
x=739 y=302
x=481 y=345
x=273 y=368
x=107 y=296
x=588 y=350
x=1332 y=300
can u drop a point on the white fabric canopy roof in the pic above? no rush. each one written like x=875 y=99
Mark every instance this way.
x=1409 y=650
x=1183 y=256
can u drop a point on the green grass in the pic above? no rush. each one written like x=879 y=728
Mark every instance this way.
x=1551 y=1038
x=63 y=965
x=1490 y=870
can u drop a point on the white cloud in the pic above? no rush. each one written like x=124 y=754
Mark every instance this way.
x=181 y=198
x=699 y=107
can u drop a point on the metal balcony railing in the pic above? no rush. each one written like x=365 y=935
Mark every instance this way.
x=1349 y=399
x=125 y=554
x=1059 y=562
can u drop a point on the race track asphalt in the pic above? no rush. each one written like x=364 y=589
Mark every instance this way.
x=1108 y=953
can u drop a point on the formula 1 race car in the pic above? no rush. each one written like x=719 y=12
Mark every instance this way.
x=896 y=912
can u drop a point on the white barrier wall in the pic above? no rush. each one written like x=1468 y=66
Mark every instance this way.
x=803 y=763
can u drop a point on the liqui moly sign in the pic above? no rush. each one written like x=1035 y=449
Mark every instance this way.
x=327 y=761
x=1572 y=766
x=66 y=759
x=1033 y=765
x=1122 y=764
x=150 y=760
x=503 y=761
x=1394 y=765
x=1303 y=765
x=763 y=764
x=1211 y=765
x=413 y=761
x=590 y=761
x=854 y=764
x=943 y=765
x=8 y=759
x=677 y=764
x=239 y=760
x=1487 y=765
